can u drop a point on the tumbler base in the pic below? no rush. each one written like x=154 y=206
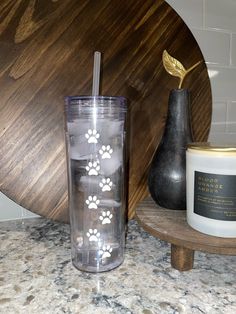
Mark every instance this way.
x=94 y=260
x=97 y=269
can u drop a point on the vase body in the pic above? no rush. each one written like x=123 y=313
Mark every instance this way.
x=167 y=174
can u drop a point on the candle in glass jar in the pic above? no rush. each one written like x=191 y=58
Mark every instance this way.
x=211 y=188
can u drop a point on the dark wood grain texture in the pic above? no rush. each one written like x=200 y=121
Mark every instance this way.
x=46 y=52
x=171 y=226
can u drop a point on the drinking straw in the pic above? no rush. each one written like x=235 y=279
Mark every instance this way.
x=96 y=73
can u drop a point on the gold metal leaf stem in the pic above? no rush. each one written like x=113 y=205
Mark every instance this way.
x=181 y=82
x=187 y=71
x=193 y=67
x=175 y=67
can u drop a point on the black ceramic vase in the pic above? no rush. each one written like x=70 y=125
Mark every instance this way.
x=167 y=175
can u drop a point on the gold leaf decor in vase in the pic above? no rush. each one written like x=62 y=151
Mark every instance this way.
x=175 y=67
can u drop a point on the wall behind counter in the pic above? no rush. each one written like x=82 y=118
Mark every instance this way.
x=213 y=24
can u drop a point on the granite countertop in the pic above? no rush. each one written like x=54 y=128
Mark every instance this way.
x=36 y=276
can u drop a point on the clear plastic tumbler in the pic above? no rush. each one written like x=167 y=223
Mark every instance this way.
x=95 y=138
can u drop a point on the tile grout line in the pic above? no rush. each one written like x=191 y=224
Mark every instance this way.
x=204 y=14
x=226 y=117
x=229 y=123
x=213 y=29
x=221 y=66
x=230 y=49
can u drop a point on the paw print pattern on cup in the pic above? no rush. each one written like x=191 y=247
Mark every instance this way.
x=92 y=202
x=105 y=251
x=106 y=217
x=92 y=136
x=93 y=235
x=106 y=152
x=93 y=168
x=106 y=184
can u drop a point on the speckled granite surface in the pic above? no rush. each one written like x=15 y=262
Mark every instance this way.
x=36 y=276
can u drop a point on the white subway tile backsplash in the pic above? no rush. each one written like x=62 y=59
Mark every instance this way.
x=220 y=14
x=191 y=11
x=29 y=214
x=215 y=46
x=223 y=83
x=233 y=50
x=8 y=209
x=227 y=138
x=219 y=117
x=231 y=117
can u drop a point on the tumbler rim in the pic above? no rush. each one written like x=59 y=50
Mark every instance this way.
x=105 y=97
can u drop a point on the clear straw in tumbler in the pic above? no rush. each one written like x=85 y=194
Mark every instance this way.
x=96 y=73
x=95 y=137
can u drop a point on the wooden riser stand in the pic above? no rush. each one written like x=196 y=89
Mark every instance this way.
x=171 y=226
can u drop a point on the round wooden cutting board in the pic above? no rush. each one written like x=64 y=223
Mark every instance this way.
x=46 y=53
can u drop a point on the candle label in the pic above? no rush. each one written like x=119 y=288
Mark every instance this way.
x=215 y=196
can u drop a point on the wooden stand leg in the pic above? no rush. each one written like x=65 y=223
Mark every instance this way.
x=181 y=258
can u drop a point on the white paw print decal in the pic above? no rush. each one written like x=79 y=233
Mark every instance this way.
x=92 y=202
x=106 y=217
x=106 y=184
x=106 y=151
x=92 y=136
x=93 y=235
x=93 y=168
x=105 y=251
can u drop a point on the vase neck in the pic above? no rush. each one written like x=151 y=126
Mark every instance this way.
x=178 y=116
